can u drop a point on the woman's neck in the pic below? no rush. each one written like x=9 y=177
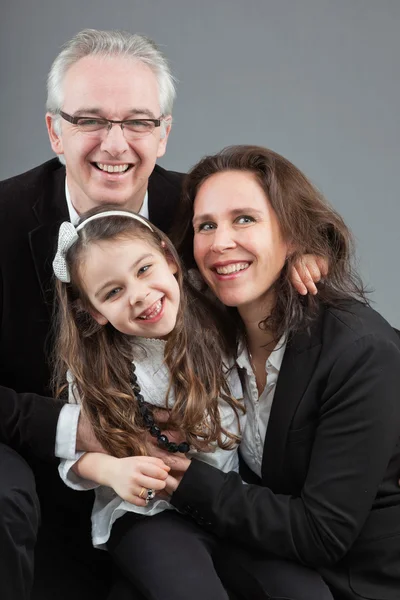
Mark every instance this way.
x=257 y=338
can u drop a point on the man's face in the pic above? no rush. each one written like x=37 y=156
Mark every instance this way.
x=116 y=88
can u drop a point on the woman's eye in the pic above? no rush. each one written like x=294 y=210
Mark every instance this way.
x=112 y=293
x=143 y=269
x=244 y=219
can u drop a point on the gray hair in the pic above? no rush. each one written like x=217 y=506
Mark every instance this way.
x=90 y=42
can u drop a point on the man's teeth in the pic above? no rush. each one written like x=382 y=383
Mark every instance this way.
x=153 y=311
x=234 y=268
x=113 y=168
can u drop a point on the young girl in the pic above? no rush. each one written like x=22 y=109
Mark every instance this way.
x=134 y=333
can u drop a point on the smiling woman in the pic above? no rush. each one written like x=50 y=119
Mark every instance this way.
x=321 y=446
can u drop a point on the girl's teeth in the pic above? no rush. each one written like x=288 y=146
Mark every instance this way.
x=232 y=268
x=113 y=168
x=154 y=311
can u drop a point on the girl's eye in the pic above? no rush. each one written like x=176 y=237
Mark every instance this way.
x=245 y=219
x=143 y=269
x=112 y=293
x=205 y=227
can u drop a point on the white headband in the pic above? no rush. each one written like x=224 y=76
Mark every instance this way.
x=68 y=235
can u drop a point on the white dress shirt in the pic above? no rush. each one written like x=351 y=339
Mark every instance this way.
x=258 y=407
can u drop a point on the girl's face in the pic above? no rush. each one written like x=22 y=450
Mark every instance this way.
x=238 y=245
x=131 y=285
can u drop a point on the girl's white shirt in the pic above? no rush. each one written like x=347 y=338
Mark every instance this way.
x=153 y=378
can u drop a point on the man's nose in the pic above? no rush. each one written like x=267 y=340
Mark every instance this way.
x=114 y=141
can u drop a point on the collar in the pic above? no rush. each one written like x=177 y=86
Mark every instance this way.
x=74 y=216
x=274 y=360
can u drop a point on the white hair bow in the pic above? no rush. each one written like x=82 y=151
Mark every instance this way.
x=67 y=236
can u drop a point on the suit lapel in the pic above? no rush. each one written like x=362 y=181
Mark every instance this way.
x=298 y=365
x=163 y=199
x=50 y=210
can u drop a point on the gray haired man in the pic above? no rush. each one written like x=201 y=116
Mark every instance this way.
x=109 y=105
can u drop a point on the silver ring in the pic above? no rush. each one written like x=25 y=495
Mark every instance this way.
x=150 y=495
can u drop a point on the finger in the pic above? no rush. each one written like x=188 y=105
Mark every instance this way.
x=171 y=484
x=177 y=463
x=297 y=282
x=152 y=460
x=137 y=501
x=313 y=269
x=155 y=471
x=150 y=483
x=308 y=281
x=323 y=265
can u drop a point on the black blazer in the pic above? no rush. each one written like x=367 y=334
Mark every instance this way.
x=28 y=422
x=32 y=206
x=329 y=495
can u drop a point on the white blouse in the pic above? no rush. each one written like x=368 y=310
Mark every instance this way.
x=258 y=407
x=153 y=378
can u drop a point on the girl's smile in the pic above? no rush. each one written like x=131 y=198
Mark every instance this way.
x=131 y=285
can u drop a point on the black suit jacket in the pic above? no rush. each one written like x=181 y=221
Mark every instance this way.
x=328 y=496
x=28 y=422
x=32 y=206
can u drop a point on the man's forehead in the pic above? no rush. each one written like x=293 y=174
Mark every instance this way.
x=111 y=83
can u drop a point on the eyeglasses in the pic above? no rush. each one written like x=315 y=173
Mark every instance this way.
x=131 y=128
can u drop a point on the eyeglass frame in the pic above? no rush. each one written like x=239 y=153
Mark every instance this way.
x=110 y=122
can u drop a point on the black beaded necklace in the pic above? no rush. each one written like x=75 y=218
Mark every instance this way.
x=149 y=420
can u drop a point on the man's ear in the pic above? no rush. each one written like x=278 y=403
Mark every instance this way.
x=54 y=136
x=162 y=144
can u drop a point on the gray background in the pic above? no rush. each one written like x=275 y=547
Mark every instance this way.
x=316 y=80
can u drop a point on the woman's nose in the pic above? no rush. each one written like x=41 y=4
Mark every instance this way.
x=222 y=240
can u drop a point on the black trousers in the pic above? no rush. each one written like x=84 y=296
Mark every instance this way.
x=168 y=557
x=19 y=521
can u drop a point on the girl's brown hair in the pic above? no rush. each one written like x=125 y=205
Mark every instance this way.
x=99 y=358
x=306 y=221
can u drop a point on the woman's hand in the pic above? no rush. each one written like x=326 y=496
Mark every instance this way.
x=178 y=464
x=307 y=271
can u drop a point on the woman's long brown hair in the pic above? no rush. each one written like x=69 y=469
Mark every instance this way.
x=306 y=221
x=99 y=358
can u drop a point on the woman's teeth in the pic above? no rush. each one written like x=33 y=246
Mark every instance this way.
x=234 y=268
x=112 y=168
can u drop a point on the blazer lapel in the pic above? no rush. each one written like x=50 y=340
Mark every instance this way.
x=50 y=210
x=163 y=200
x=298 y=364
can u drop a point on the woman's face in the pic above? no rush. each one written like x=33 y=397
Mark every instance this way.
x=238 y=245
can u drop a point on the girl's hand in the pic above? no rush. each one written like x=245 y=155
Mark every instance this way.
x=307 y=271
x=130 y=475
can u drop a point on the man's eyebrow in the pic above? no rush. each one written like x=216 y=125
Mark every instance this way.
x=111 y=282
x=246 y=210
x=134 y=112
